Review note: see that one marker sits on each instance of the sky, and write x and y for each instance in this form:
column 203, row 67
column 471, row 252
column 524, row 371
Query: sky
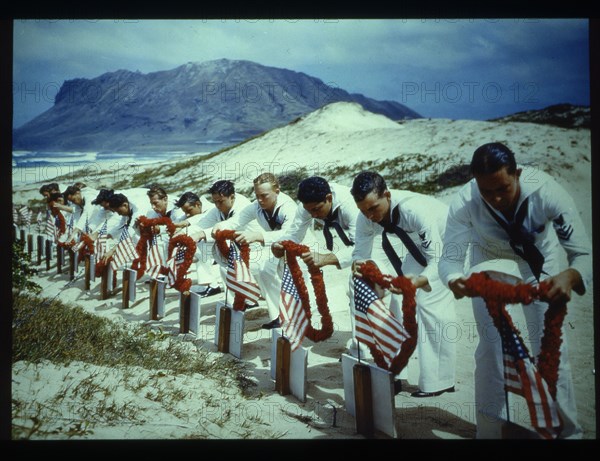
column 474, row 69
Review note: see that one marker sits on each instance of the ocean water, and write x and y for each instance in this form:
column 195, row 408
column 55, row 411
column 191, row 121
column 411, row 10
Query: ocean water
column 35, row 167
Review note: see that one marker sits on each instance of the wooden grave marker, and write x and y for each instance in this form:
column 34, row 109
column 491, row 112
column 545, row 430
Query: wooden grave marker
column 60, row 254
column 157, row 298
column 190, row 307
column 129, row 287
column 369, row 396
column 288, row 369
column 72, row 263
column 40, row 249
column 48, row 247
column 89, row 270
column 29, row 245
column 106, row 282
column 229, row 330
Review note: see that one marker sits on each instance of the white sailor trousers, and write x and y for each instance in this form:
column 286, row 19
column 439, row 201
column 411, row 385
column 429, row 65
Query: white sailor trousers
column 437, row 335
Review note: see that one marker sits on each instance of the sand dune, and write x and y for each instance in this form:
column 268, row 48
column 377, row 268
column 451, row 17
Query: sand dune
column 340, row 135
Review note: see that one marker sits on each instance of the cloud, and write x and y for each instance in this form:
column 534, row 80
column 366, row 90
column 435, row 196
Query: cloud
column 373, row 57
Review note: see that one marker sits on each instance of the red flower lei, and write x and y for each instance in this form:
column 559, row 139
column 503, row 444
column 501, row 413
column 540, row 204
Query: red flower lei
column 497, row 294
column 61, row 219
column 87, row 248
column 183, row 284
column 146, row 225
column 221, row 237
column 372, row 275
column 293, row 251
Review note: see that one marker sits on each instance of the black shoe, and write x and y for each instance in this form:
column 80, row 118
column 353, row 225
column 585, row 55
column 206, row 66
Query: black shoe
column 397, row 386
column 251, row 305
column 272, row 324
column 211, row 292
column 431, row 394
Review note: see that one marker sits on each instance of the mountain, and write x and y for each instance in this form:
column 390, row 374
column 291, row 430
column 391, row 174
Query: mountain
column 213, row 102
column 561, row 115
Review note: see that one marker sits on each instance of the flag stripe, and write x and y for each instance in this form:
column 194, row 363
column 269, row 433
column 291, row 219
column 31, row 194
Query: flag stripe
column 522, row 378
column 294, row 321
column 238, row 278
column 375, row 326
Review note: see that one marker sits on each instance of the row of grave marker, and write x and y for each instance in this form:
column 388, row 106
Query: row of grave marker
column 368, row 389
column 288, row 369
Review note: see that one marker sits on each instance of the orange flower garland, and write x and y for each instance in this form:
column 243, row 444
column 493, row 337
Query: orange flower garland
column 293, row 251
column 61, row 219
column 87, row 248
column 146, row 232
column 497, row 294
column 182, row 283
column 221, row 237
column 372, row 275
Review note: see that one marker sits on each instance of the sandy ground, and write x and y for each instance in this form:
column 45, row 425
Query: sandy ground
column 166, row 407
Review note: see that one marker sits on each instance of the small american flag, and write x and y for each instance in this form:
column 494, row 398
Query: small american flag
column 25, row 214
column 125, row 251
column 521, row 377
column 375, row 325
column 238, row 278
column 154, row 261
column 15, row 216
column 291, row 313
column 70, row 223
column 50, row 226
column 174, row 261
column 101, row 242
column 39, row 219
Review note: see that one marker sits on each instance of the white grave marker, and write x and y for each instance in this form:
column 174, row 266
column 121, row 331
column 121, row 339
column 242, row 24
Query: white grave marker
column 382, row 394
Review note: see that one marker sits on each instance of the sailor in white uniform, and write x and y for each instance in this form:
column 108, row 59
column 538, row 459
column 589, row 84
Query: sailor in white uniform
column 399, row 216
column 523, row 215
column 332, row 206
column 274, row 211
column 196, row 210
column 227, row 203
column 129, row 212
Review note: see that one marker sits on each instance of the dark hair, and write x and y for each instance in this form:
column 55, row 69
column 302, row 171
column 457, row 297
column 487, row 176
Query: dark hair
column 71, row 190
column 366, row 182
column 103, row 196
column 313, row 190
column 188, row 197
column 116, row 200
column 54, row 196
column 156, row 190
column 223, row 187
column 492, row 157
column 45, row 188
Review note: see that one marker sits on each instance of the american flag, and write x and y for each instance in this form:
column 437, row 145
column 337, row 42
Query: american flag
column 50, row 226
column 101, row 242
column 25, row 214
column 15, row 216
column 375, row 325
column 39, row 219
column 69, row 230
column 174, row 261
column 291, row 314
column 154, row 261
column 238, row 278
column 521, row 377
column 125, row 251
